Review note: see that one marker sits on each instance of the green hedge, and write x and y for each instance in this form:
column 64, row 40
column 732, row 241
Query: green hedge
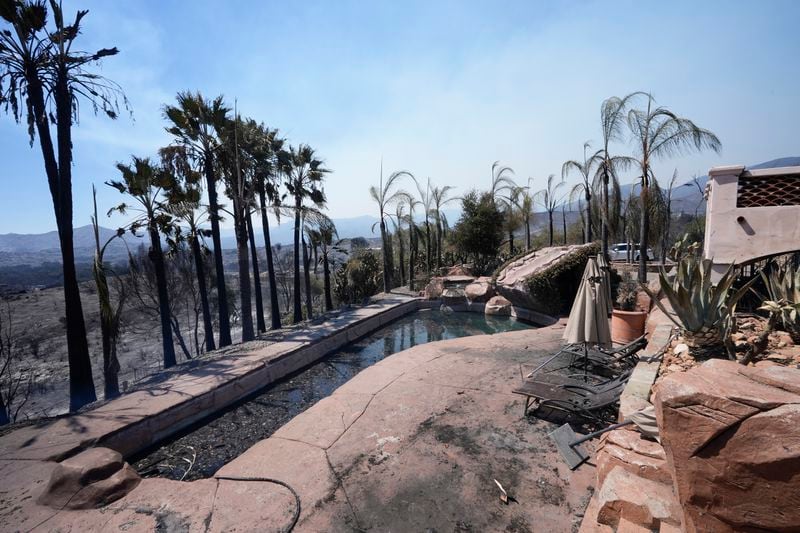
column 554, row 288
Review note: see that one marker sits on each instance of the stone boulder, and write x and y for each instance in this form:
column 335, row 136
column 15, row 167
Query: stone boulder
column 628, row 449
column 498, row 305
column 459, row 270
column 452, row 296
column 433, row 290
column 626, row 497
column 513, row 281
column 93, row 478
column 731, row 434
column 480, row 290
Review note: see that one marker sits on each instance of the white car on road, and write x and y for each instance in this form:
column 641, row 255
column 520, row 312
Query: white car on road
column 619, row 252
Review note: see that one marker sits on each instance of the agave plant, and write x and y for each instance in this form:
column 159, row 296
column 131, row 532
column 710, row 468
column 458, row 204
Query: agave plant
column 783, row 285
column 703, row 310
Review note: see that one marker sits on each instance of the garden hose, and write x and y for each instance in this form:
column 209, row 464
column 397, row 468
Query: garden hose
column 296, row 516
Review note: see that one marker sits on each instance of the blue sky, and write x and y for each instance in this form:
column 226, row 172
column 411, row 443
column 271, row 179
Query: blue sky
column 441, row 89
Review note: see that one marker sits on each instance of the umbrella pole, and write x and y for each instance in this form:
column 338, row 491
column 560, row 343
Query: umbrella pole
column 585, row 362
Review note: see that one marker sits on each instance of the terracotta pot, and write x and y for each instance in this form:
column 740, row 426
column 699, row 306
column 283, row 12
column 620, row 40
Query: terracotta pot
column 627, row 325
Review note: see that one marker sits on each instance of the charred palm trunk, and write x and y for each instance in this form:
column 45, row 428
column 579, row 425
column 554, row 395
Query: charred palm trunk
column 387, row 269
column 604, row 229
column 527, row 234
column 208, row 328
column 275, row 311
column 107, row 326
column 428, row 244
column 81, row 383
column 262, row 327
column 157, row 257
column 298, row 308
column 326, row 280
column 222, row 293
column 644, row 230
column 307, row 280
column 438, row 246
column 587, row 232
column 240, row 223
column 564, row 223
column 550, row 216
column 412, row 255
column 401, row 256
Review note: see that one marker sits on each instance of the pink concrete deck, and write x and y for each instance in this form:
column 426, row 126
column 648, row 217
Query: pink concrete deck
column 411, row 443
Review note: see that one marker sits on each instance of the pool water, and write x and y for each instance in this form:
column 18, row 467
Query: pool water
column 215, row 441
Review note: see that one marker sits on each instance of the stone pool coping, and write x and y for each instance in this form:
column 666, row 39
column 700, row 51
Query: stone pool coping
column 412, row 442
column 164, row 404
column 172, row 401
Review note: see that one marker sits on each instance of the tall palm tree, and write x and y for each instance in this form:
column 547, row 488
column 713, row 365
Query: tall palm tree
column 550, row 199
column 146, row 182
column 43, row 79
column 426, row 201
column 327, row 236
column 525, row 201
column 184, row 205
column 501, row 179
column 507, row 200
column 438, row 200
column 303, row 173
column 260, row 324
column 240, row 190
column 398, row 220
column 659, row 133
column 502, row 191
column 413, row 237
column 386, row 194
column 267, row 152
column 195, row 122
column 586, row 170
column 612, row 120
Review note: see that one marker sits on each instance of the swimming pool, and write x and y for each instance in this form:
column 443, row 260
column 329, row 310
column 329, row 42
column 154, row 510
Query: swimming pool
column 216, row 440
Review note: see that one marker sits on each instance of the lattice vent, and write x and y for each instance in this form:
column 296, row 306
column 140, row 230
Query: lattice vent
column 768, row 191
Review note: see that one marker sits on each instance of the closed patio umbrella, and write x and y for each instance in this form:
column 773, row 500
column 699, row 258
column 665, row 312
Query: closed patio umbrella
column 588, row 319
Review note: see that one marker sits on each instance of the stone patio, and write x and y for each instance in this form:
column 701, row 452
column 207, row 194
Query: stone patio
column 414, row 442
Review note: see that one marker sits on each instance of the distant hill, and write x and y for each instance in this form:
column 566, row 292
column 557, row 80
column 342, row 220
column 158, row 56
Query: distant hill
column 686, row 197
column 47, row 244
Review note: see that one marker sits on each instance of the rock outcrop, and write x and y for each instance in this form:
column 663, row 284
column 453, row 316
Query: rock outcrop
column 459, row 270
column 632, row 452
column 498, row 305
column 732, row 439
column 480, row 290
column 560, row 267
column 93, row 478
column 433, row 290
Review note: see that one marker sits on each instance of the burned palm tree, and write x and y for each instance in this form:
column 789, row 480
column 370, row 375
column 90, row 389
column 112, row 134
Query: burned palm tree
column 612, row 119
column 303, row 173
column 195, row 122
column 43, row 79
column 584, row 187
column 385, row 195
column 439, row 199
column 146, row 183
column 659, row 133
column 550, row 200
column 184, row 204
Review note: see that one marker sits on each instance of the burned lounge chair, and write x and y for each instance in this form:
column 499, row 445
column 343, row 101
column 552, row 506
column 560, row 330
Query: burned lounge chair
column 602, row 361
column 624, row 356
column 576, row 398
